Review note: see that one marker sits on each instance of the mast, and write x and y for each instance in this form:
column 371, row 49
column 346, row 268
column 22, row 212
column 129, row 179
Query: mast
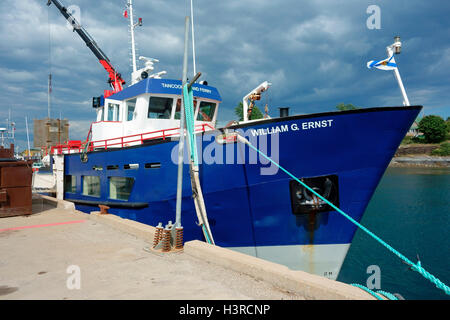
column 182, row 129
column 395, row 48
column 49, row 94
column 49, row 91
column 193, row 38
column 133, row 44
column 129, row 14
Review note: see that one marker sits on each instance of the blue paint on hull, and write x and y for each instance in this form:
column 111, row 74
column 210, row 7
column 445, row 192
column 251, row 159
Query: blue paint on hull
column 246, row 208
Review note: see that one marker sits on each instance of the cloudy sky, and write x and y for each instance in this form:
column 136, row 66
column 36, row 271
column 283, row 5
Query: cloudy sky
column 313, row 52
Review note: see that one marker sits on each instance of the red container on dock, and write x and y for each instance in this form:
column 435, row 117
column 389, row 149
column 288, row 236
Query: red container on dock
column 15, row 185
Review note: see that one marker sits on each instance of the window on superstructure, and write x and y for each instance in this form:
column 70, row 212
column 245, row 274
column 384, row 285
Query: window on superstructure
column 120, row 187
column 153, row 165
column 70, row 183
column 131, row 166
column 159, row 108
column 91, row 186
column 206, row 111
column 113, row 112
column 178, row 108
column 131, row 106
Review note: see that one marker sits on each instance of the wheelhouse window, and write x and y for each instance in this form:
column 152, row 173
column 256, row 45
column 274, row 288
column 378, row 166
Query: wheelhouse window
column 70, row 184
column 159, row 108
column 178, row 108
column 91, row 186
column 131, row 106
column 206, row 111
column 113, row 112
column 120, row 187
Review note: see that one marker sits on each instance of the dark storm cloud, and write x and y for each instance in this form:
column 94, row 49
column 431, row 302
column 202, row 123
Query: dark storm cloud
column 314, row 53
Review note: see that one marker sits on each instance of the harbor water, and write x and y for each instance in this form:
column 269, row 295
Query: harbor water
column 410, row 210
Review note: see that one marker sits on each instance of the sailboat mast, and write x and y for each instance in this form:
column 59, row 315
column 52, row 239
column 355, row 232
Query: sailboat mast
column 49, row 93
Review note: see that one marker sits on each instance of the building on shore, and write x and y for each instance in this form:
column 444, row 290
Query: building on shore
column 50, row 132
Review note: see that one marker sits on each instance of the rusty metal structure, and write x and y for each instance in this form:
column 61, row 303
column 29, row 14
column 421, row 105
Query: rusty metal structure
column 15, row 184
column 7, row 153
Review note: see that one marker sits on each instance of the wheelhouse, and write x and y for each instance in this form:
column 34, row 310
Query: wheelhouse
column 151, row 105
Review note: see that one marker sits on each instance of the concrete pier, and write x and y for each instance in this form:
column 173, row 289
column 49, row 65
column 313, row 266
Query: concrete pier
column 60, row 253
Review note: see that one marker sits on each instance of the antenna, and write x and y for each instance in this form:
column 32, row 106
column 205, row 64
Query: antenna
column 49, row 92
column 132, row 26
column 145, row 72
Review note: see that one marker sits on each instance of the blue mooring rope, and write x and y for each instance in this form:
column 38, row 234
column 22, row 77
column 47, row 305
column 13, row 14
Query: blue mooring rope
column 414, row 266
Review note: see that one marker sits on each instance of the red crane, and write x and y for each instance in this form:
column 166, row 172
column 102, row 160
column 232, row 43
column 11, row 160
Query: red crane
column 115, row 78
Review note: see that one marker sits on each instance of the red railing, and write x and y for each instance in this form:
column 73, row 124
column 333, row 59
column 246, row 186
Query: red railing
column 124, row 141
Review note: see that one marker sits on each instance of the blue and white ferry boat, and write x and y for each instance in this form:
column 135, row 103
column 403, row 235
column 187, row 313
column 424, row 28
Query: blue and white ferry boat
column 130, row 164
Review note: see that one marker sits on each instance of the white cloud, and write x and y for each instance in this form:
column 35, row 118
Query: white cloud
column 16, row 75
column 318, row 29
column 314, row 52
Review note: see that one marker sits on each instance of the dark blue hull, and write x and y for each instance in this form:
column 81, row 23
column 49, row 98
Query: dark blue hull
column 246, row 209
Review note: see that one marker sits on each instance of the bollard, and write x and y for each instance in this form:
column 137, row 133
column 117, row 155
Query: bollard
column 179, row 238
column 158, row 234
column 103, row 209
column 166, row 240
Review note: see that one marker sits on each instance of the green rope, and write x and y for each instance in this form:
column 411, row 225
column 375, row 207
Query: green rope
column 189, row 110
column 188, row 99
column 206, row 234
column 367, row 290
column 414, row 266
column 388, row 295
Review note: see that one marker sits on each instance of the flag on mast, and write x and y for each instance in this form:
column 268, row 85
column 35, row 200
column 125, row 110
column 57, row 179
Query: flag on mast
column 386, row 64
column 125, row 13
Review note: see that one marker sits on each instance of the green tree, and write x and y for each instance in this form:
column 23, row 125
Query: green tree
column 344, row 107
column 443, row 150
column 433, row 128
column 256, row 113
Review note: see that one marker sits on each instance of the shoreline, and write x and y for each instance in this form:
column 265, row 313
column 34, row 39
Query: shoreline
column 421, row 161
